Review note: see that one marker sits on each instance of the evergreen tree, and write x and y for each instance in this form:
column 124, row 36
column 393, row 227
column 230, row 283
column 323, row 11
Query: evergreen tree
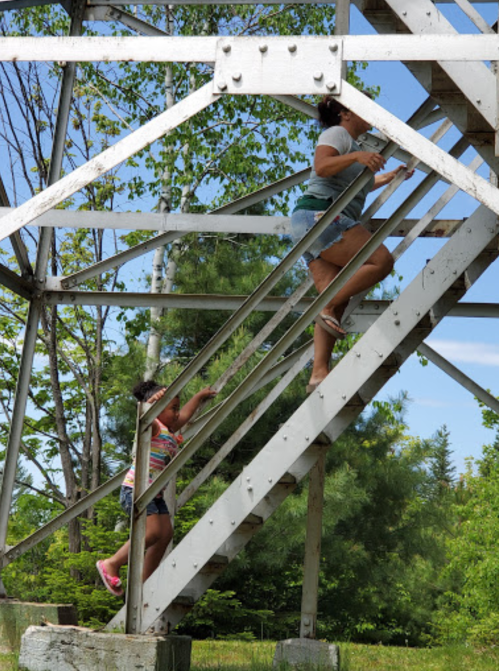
column 441, row 466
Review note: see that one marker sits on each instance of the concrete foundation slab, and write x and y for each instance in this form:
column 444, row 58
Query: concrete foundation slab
column 304, row 653
column 69, row 648
column 17, row 616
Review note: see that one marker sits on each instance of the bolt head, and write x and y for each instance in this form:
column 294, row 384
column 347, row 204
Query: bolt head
column 237, row 76
column 331, row 86
column 333, row 48
column 318, row 75
column 221, row 85
column 263, row 48
column 292, row 48
column 226, row 48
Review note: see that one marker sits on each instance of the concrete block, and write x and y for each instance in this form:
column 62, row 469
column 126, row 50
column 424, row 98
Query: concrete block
column 17, row 616
column 307, row 653
column 70, row 648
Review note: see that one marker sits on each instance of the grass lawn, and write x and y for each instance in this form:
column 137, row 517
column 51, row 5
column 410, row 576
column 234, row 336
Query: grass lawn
column 243, row 656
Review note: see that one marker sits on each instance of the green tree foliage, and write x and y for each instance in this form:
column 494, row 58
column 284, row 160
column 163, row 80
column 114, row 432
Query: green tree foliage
column 381, row 550
column 468, row 610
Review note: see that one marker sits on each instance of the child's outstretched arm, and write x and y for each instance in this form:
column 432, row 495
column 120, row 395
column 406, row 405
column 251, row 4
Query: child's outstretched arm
column 191, row 406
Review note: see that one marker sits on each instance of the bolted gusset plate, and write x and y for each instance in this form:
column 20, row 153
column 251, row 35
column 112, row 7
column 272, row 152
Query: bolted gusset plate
column 278, row 65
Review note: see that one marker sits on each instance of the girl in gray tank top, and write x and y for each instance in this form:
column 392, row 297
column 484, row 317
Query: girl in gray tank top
column 337, row 162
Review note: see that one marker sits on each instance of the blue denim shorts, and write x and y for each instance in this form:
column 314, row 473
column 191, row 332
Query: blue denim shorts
column 156, row 507
column 303, row 220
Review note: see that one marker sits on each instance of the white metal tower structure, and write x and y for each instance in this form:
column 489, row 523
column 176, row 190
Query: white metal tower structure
column 461, row 91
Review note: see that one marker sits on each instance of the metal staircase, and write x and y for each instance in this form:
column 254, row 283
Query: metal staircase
column 230, row 523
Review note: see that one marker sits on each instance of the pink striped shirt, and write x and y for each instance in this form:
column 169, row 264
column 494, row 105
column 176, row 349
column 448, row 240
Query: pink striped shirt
column 164, row 447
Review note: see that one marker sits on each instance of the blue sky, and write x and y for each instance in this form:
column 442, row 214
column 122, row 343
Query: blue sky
column 470, row 344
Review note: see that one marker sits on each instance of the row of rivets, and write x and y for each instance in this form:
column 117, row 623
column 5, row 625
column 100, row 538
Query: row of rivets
column 237, row 76
column 227, row 48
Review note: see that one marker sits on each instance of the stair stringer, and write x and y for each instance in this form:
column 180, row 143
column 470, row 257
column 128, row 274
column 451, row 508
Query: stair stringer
column 207, row 574
column 361, row 373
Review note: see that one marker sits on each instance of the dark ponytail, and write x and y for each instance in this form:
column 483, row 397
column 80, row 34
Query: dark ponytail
column 145, row 389
column 329, row 111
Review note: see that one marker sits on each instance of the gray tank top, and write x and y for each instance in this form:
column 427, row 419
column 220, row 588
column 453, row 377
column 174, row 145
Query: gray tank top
column 331, row 187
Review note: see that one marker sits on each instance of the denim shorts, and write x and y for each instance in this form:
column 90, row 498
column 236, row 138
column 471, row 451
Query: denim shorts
column 303, row 220
column 156, row 507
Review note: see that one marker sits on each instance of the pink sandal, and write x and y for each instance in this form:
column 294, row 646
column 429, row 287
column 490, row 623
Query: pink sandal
column 111, row 582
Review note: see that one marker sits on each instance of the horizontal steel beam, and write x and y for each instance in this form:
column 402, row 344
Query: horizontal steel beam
column 204, row 49
column 201, row 223
column 229, row 303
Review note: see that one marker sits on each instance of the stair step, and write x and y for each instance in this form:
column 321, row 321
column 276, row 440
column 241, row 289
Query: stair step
column 184, row 600
column 216, row 564
column 251, row 521
column 287, row 479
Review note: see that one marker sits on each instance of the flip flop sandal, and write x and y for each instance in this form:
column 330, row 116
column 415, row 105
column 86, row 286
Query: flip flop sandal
column 111, row 582
column 331, row 325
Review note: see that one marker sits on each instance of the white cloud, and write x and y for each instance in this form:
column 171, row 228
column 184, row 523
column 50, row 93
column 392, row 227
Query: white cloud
column 480, row 353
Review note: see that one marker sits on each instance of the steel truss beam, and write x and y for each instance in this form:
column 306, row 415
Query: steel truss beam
column 107, row 160
column 456, row 47
column 457, row 375
column 418, row 146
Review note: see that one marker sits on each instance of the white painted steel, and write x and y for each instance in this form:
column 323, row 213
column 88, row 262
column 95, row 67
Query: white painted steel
column 460, row 377
column 185, row 223
column 475, row 16
column 107, row 160
column 280, row 65
column 94, row 13
column 134, row 592
column 310, row 52
column 426, row 220
column 475, row 80
column 116, row 260
column 165, row 222
column 311, row 564
column 412, row 164
column 419, row 146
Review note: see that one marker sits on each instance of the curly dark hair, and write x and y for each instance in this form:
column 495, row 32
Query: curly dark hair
column 145, row 389
column 329, row 111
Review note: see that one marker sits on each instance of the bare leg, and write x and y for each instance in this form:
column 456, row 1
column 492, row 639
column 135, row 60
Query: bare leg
column 325, row 269
column 158, row 534
column 163, row 533
column 376, row 268
column 323, row 273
